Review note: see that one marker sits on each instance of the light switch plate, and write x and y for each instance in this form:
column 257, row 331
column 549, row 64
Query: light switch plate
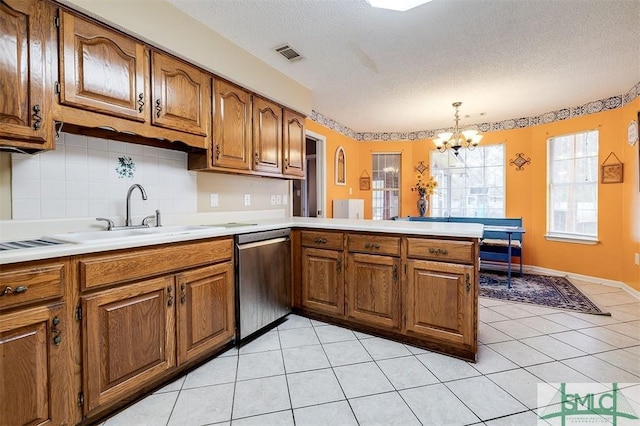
column 285, row 199
column 278, row 199
column 273, row 200
column 637, row 259
column 247, row 199
column 214, row 200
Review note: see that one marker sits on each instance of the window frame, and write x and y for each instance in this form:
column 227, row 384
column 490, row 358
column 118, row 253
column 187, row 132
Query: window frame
column 484, row 166
column 383, row 190
column 572, row 237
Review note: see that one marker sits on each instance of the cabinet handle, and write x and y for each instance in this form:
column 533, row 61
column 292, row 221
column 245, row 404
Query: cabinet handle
column 468, row 288
column 286, row 163
column 170, row 298
column 438, row 251
column 57, row 339
column 183, row 296
column 395, row 273
column 339, row 264
column 140, row 102
column 320, row 241
column 217, row 151
column 257, row 159
column 158, row 108
column 9, row 290
column 36, row 117
column 376, row 246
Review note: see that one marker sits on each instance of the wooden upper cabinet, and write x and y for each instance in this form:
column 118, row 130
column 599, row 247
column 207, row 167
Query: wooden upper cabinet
column 25, row 109
column 232, row 126
column 293, row 140
column 181, row 96
column 267, row 136
column 102, row 70
column 205, row 310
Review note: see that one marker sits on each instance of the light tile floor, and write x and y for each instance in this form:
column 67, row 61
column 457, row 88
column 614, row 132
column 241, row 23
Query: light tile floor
column 307, row 372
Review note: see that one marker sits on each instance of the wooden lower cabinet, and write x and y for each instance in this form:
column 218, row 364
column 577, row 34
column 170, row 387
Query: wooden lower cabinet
column 440, row 301
column 323, row 281
column 373, row 286
column 128, row 339
column 33, row 367
column 205, row 310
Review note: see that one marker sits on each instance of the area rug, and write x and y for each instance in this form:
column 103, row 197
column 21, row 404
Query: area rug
column 544, row 290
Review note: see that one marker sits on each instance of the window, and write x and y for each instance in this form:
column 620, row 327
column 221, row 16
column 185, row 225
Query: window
column 385, row 186
column 573, row 186
column 470, row 184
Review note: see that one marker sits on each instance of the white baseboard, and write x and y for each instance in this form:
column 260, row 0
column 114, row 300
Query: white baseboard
column 530, row 269
column 595, row 280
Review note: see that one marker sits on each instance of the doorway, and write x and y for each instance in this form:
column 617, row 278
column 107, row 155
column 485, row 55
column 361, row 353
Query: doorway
column 309, row 196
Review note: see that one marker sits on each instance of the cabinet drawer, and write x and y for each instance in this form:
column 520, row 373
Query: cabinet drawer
column 31, row 284
column 325, row 240
column 106, row 269
column 374, row 244
column 446, row 250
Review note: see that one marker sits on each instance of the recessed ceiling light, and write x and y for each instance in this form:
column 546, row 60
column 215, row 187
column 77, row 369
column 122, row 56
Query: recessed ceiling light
column 399, row 5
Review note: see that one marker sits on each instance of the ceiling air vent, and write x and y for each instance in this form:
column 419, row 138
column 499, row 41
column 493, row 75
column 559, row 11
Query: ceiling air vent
column 289, row 53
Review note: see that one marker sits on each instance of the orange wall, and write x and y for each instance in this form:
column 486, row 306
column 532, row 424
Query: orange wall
column 526, row 190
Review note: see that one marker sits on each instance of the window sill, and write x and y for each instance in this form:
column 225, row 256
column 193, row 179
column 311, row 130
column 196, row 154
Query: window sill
column 592, row 241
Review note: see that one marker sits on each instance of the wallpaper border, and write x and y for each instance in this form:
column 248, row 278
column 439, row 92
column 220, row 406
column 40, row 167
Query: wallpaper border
column 592, row 107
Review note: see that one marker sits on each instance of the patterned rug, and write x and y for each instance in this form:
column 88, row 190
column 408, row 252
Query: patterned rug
column 555, row 292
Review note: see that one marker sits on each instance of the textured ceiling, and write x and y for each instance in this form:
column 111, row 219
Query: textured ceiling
column 377, row 70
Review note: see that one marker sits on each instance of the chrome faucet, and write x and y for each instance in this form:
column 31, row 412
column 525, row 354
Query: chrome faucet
column 144, row 197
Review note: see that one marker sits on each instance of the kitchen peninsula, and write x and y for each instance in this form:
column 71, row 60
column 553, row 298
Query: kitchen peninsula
column 115, row 318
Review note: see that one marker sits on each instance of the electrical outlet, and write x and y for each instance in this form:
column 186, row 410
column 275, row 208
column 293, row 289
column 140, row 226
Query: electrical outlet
column 285, row 199
column 350, row 191
column 273, row 200
column 214, row 200
column 247, row 199
column 278, row 199
column 637, row 259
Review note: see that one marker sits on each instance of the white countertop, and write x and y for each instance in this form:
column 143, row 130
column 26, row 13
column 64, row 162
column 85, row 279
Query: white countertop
column 444, row 229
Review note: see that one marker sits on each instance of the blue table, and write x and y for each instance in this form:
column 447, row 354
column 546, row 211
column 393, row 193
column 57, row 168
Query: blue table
column 509, row 230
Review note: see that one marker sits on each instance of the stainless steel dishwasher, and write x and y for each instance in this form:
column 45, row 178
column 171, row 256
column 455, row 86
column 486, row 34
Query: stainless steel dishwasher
column 263, row 279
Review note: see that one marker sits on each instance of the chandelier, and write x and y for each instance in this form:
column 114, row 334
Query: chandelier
column 457, row 139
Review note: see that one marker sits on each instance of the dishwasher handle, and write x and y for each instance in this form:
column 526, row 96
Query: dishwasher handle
column 262, row 243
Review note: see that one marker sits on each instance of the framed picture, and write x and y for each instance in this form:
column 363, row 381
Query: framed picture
column 341, row 167
column 365, row 181
column 611, row 172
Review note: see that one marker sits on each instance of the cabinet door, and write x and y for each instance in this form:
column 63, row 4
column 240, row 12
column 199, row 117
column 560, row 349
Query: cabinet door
column 128, row 339
column 25, row 110
column 440, row 301
column 232, row 127
column 323, row 281
column 181, row 96
column 267, row 136
column 294, row 142
column 102, row 70
column 205, row 310
column 373, row 285
column 33, row 390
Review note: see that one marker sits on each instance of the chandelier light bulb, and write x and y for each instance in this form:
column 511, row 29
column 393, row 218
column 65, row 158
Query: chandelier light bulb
column 457, row 139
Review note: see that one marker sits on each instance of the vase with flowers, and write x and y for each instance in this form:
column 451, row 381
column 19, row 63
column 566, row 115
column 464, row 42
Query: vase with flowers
column 424, row 188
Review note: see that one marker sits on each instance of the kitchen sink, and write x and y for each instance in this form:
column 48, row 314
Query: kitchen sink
column 100, row 236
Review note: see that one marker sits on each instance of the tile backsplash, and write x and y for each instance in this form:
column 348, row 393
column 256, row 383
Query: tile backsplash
column 89, row 177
